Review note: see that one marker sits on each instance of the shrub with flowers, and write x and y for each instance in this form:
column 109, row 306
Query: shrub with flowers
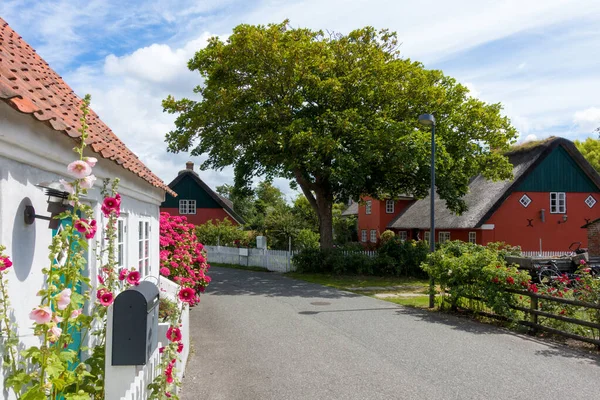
column 466, row 270
column 182, row 260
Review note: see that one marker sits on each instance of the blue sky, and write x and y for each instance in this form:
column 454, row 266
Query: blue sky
column 540, row 59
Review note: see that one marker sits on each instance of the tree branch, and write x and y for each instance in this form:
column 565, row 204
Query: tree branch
column 306, row 187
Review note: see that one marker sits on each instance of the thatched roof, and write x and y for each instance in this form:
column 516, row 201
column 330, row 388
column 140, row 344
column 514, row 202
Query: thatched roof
column 484, row 196
column 351, row 210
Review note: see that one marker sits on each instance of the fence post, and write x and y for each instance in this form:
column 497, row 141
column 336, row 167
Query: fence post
column 533, row 317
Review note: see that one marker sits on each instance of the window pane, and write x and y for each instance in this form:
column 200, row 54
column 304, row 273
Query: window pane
column 120, row 254
column 141, row 229
column 141, row 250
column 146, row 246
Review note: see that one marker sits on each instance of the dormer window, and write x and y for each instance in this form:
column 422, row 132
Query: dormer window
column 389, row 206
column 187, row 207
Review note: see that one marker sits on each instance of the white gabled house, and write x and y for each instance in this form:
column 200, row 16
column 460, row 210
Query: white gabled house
column 39, row 118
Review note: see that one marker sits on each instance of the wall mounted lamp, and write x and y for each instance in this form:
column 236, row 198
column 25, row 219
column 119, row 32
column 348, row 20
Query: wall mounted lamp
column 543, row 215
column 564, row 219
column 57, row 203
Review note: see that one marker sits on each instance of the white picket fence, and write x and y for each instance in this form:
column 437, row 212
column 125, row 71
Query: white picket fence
column 545, row 254
column 138, row 390
column 272, row 260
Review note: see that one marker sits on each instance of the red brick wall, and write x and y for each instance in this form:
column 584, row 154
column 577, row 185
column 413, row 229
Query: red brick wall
column 593, row 234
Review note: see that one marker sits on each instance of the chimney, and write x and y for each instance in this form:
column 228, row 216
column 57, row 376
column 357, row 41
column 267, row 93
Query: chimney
column 189, row 165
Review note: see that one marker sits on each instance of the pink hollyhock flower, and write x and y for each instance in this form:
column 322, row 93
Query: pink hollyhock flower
column 41, row 315
column 174, row 334
column 87, row 228
column 167, row 394
column 79, row 169
column 5, row 263
column 67, row 186
column 54, row 333
column 64, row 299
column 165, row 271
column 75, row 313
column 87, row 182
column 133, row 278
column 161, row 350
column 91, row 161
column 58, row 319
column 179, row 347
column 101, row 279
column 106, row 299
column 122, row 274
column 187, row 295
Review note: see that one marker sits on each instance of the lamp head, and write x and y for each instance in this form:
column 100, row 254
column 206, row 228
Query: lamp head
column 427, row 119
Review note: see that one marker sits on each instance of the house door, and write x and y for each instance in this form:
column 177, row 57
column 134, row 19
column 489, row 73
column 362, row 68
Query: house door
column 59, row 261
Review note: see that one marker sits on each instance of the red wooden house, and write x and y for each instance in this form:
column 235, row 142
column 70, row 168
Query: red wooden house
column 553, row 193
column 196, row 200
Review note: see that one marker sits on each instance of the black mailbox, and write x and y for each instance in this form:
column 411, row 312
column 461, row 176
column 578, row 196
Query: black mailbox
column 135, row 325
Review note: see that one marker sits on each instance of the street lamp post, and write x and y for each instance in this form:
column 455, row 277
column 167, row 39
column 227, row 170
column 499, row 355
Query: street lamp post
column 429, row 120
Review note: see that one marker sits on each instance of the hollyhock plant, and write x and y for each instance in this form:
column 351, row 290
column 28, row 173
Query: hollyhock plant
column 106, row 299
column 79, row 169
column 174, row 334
column 5, row 263
column 41, row 315
column 111, row 204
column 187, row 295
column 87, row 182
column 64, row 299
column 67, row 186
column 123, row 274
column 86, row 227
column 133, row 278
column 75, row 313
column 91, row 161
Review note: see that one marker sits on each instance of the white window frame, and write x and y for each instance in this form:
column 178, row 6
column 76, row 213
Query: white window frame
column 373, row 236
column 403, row 235
column 144, row 246
column 556, row 197
column 389, row 206
column 363, row 236
column 593, row 201
column 187, row 207
column 426, row 236
column 121, row 242
column 525, row 200
column 368, row 206
column 472, row 237
column 443, row 237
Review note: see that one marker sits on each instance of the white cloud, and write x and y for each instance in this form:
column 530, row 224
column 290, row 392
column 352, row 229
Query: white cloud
column 472, row 90
column 587, row 120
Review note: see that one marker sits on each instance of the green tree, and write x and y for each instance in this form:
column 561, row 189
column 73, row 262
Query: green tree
column 338, row 114
column 590, row 149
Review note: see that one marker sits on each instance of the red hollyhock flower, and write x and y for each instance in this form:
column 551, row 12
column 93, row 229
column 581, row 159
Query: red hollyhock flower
column 179, row 347
column 174, row 334
column 101, row 292
column 510, row 280
column 122, row 274
column 133, row 278
column 5, row 263
column 187, row 295
column 106, row 299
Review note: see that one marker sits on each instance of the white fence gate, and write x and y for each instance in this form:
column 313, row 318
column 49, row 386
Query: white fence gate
column 545, row 254
column 272, row 260
column 138, row 390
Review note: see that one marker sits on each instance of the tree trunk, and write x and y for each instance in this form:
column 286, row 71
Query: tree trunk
column 321, row 201
column 325, row 213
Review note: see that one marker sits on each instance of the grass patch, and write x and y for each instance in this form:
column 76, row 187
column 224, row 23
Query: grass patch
column 236, row 266
column 420, row 301
column 360, row 281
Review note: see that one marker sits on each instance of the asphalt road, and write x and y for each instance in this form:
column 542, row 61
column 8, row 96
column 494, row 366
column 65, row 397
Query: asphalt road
column 264, row 336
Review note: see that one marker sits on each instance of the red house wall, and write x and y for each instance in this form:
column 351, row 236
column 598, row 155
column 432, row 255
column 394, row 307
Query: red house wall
column 378, row 219
column 202, row 215
column 511, row 222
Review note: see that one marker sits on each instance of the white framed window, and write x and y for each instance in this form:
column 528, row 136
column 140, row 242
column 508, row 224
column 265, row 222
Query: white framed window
column 363, row 236
column 403, row 235
column 525, row 200
column 426, row 235
column 368, row 207
column 187, row 206
column 443, row 236
column 472, row 237
column 144, row 247
column 373, row 236
column 389, row 206
column 558, row 203
column 121, row 248
column 590, row 201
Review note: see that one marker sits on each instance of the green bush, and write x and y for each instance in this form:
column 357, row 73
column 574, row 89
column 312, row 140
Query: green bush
column 224, row 233
column 407, row 257
column 307, row 239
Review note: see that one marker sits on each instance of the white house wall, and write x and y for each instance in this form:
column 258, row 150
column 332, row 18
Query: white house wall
column 31, row 153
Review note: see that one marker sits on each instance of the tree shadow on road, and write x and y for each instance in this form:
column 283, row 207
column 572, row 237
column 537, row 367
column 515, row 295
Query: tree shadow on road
column 235, row 282
column 467, row 324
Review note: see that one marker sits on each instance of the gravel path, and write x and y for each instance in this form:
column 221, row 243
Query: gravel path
column 264, row 336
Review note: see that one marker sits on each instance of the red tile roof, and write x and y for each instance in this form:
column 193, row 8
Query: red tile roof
column 28, row 84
